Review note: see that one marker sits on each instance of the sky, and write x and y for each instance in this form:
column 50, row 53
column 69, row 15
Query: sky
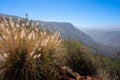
column 81, row 13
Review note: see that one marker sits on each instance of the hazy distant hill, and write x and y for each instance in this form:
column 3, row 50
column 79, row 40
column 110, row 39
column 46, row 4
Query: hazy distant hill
column 110, row 38
column 68, row 31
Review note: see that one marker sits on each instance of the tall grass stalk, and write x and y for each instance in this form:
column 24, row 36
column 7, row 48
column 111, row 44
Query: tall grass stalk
column 22, row 44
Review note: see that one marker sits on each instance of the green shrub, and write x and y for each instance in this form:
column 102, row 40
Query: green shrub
column 109, row 68
column 80, row 59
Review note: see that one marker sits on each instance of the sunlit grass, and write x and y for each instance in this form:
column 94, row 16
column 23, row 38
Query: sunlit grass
column 21, row 44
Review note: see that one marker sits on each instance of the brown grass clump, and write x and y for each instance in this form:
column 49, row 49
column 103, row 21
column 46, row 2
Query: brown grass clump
column 23, row 47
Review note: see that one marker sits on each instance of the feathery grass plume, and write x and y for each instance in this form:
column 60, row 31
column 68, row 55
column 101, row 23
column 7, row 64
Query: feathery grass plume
column 22, row 45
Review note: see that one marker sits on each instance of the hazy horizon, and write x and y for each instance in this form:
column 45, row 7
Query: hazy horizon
column 101, row 28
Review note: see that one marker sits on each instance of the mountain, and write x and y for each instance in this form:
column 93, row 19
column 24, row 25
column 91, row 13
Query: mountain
column 110, row 38
column 69, row 31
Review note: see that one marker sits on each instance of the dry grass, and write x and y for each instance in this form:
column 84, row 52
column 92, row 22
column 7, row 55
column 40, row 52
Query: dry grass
column 20, row 47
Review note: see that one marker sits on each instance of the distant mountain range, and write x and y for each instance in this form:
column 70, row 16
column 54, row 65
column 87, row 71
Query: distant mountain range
column 110, row 38
column 69, row 31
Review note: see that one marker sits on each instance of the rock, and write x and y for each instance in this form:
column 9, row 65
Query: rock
column 68, row 74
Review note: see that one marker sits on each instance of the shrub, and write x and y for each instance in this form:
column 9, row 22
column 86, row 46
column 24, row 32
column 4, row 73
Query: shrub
column 80, row 59
column 109, row 68
column 26, row 52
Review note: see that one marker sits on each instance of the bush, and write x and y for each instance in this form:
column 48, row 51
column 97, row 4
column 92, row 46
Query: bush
column 109, row 68
column 28, row 53
column 80, row 59
column 83, row 62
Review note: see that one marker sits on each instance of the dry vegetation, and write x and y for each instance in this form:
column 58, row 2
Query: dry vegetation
column 23, row 49
column 30, row 53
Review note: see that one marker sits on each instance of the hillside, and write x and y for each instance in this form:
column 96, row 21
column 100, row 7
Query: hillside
column 110, row 38
column 69, row 31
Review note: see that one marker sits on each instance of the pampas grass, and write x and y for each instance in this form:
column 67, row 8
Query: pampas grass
column 22, row 46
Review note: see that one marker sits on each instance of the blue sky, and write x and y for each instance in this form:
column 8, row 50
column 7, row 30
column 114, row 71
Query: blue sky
column 82, row 13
